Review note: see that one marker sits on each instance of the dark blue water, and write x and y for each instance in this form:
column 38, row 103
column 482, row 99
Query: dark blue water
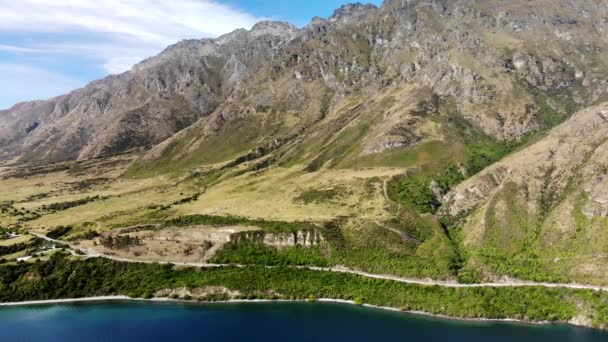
column 258, row 322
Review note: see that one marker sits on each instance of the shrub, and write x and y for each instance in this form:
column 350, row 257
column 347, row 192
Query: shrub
column 58, row 232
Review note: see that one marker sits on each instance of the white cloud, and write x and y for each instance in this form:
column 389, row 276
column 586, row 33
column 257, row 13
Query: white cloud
column 127, row 30
column 112, row 56
column 14, row 48
column 20, row 81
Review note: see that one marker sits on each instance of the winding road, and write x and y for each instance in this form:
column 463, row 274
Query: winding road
column 342, row 269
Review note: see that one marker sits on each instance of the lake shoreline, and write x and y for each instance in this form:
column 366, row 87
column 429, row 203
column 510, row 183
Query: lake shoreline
column 101, row 299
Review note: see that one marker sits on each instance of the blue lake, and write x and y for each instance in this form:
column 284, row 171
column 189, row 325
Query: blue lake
column 131, row 321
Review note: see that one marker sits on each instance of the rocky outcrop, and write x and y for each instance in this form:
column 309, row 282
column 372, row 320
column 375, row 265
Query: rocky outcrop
column 302, row 238
column 208, row 293
column 546, row 73
column 351, row 13
column 307, row 238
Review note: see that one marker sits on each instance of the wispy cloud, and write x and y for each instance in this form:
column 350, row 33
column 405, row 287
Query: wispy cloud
column 115, row 33
column 20, row 81
column 20, row 49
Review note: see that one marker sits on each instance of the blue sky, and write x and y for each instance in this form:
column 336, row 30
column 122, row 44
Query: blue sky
column 49, row 47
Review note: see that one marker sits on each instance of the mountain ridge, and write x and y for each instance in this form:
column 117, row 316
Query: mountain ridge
column 400, row 43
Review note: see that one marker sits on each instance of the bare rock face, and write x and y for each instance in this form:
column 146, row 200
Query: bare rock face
column 280, row 32
column 301, row 238
column 351, row 13
column 503, row 65
column 547, row 73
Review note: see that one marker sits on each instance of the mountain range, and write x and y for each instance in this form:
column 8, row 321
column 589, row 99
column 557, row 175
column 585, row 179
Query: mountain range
column 509, row 68
column 489, row 117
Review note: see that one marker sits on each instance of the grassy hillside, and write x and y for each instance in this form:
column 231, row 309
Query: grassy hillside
column 540, row 213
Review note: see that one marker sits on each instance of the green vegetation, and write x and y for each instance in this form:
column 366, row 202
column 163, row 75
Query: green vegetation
column 522, row 266
column 61, row 277
column 382, row 261
column 426, row 155
column 519, row 244
column 421, row 250
column 509, row 226
column 547, row 116
column 237, row 137
column 159, row 209
column 58, row 232
column 259, row 152
column 480, row 151
column 580, row 220
column 416, row 193
column 5, row 233
column 188, row 199
column 320, row 195
column 449, row 177
column 18, row 247
column 54, row 207
column 253, row 253
column 488, row 151
column 210, row 220
column 88, row 235
column 8, row 208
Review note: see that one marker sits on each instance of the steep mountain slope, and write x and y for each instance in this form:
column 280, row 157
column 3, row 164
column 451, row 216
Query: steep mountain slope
column 506, row 67
column 158, row 98
column 542, row 210
column 398, row 76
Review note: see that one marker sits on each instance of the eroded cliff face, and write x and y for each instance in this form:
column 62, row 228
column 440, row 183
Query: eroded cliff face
column 508, row 67
column 302, row 238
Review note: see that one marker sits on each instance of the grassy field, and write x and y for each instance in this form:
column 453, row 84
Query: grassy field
column 346, row 205
column 17, row 240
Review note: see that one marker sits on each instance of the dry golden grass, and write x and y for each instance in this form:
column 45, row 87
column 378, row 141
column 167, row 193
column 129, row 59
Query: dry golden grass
column 14, row 241
column 270, row 194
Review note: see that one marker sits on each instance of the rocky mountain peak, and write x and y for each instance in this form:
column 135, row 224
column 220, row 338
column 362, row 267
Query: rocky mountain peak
column 280, row 29
column 200, row 47
column 227, row 38
column 351, row 12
